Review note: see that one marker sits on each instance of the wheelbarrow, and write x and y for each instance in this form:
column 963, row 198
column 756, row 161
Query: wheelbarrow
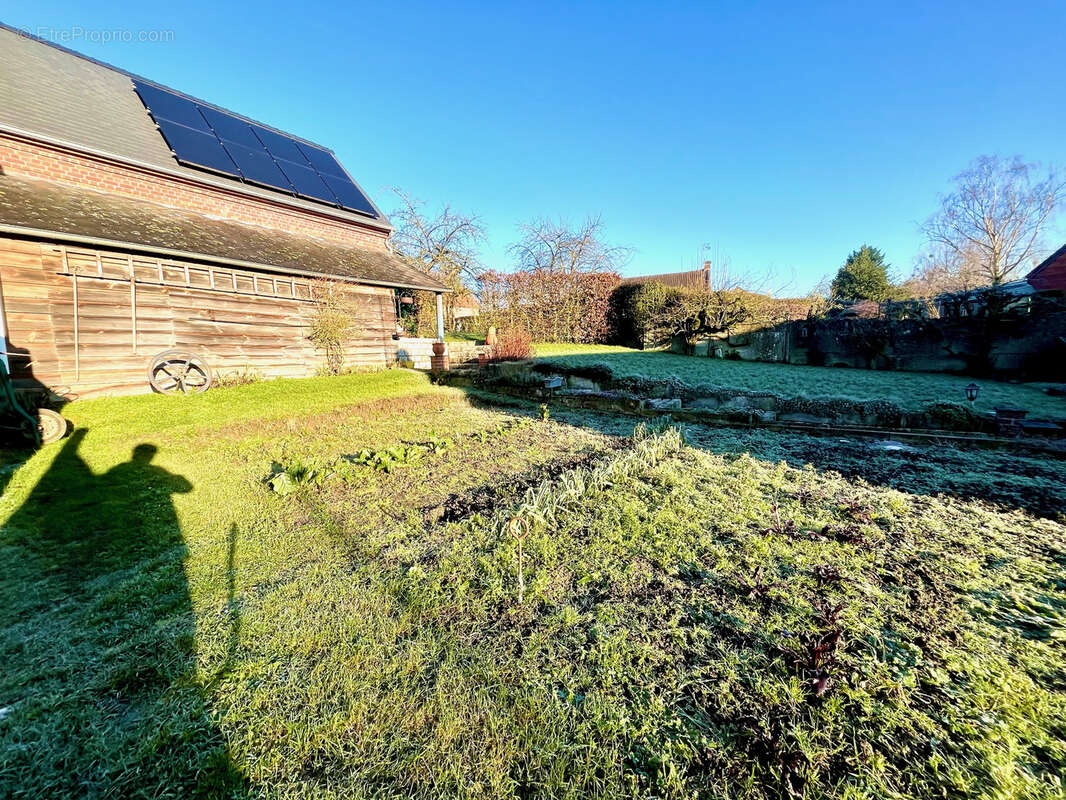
column 42, row 425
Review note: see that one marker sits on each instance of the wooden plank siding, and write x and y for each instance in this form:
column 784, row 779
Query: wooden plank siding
column 237, row 319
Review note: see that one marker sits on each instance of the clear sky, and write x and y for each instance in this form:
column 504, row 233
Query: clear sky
column 782, row 134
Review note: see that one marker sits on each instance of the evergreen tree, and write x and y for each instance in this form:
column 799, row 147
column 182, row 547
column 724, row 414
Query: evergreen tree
column 864, row 276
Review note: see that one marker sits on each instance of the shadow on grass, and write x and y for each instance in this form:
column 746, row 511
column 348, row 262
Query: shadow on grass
column 99, row 688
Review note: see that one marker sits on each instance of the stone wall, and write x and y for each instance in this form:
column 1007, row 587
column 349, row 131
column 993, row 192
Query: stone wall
column 1023, row 345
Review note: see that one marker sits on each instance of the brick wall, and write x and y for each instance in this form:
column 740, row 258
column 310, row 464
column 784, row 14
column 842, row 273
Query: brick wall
column 32, row 160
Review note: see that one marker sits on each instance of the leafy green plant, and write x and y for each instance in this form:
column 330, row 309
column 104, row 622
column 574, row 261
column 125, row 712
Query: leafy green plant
column 389, row 458
column 438, row 445
column 545, row 413
column 285, row 479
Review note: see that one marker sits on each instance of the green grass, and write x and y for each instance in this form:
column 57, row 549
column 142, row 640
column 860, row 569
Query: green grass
column 170, row 627
column 909, row 390
column 477, row 337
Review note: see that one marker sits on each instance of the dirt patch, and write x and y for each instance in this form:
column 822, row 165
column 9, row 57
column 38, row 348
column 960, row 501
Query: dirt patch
column 484, row 499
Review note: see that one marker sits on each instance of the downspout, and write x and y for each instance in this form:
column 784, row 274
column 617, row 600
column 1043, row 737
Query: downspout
column 3, row 332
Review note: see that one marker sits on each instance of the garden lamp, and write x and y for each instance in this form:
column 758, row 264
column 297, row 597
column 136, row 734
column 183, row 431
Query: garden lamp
column 971, row 392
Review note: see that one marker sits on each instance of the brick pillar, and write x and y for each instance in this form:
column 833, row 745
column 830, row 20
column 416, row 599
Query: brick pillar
column 438, row 362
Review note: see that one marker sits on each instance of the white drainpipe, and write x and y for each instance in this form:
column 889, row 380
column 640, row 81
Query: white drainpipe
column 3, row 332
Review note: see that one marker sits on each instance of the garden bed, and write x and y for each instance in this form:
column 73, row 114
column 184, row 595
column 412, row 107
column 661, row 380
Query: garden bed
column 907, row 391
column 695, row 621
column 596, row 384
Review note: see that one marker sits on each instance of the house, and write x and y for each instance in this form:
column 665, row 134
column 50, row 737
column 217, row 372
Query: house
column 465, row 307
column 1050, row 274
column 690, row 279
column 136, row 220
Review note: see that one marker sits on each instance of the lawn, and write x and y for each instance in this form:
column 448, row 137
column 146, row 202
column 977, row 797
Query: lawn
column 909, row 390
column 703, row 613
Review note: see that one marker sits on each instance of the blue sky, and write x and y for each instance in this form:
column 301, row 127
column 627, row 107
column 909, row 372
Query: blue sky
column 782, row 134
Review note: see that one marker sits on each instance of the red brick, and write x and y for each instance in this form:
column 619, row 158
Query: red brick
column 20, row 157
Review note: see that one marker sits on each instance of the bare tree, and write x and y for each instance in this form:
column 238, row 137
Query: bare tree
column 557, row 258
column 945, row 270
column 995, row 217
column 559, row 248
column 446, row 245
column 720, row 311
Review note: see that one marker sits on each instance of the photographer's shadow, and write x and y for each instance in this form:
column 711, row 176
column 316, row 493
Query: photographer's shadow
column 98, row 574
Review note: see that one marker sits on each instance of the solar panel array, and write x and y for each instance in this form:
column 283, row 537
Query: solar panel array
column 204, row 137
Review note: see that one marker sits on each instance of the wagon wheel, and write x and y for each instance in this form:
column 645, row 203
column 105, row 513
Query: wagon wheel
column 50, row 425
column 179, row 372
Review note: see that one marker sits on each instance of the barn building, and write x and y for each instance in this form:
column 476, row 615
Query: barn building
column 136, row 220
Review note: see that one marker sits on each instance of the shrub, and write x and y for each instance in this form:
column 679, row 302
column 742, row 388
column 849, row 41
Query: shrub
column 238, row 377
column 553, row 305
column 332, row 326
column 513, row 344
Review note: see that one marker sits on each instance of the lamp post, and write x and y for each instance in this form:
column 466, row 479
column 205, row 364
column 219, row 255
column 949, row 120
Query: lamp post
column 971, row 393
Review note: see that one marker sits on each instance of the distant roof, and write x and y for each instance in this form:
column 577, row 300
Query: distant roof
column 693, row 279
column 43, row 209
column 467, row 301
column 1019, row 288
column 64, row 97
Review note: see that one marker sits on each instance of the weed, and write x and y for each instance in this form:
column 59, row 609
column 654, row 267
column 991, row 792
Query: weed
column 780, row 527
column 815, row 658
column 288, row 478
column 238, row 377
column 518, row 528
column 757, row 588
column 827, row 575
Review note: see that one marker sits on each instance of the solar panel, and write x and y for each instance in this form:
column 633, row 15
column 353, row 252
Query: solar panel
column 202, row 136
column 256, row 165
column 348, row 194
column 281, row 147
column 167, row 105
column 337, row 179
column 229, row 128
column 322, row 160
column 196, row 147
column 307, row 182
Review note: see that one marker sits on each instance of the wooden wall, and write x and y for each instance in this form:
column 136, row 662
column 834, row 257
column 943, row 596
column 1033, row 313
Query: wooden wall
column 237, row 319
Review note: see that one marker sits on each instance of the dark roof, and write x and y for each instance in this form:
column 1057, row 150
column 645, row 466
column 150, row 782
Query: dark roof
column 692, row 279
column 57, row 95
column 51, row 211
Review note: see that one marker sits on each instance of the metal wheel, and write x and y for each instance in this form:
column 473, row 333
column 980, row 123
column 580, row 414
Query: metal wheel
column 50, row 425
column 179, row 372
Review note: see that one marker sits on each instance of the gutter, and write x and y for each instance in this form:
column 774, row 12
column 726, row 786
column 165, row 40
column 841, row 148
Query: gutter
column 94, row 241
